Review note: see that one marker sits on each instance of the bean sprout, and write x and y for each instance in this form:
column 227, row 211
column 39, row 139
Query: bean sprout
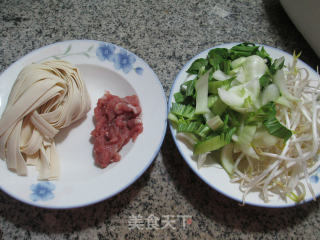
column 284, row 167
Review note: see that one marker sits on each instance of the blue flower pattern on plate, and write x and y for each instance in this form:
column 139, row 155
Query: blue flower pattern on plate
column 316, row 177
column 139, row 70
column 122, row 59
column 105, row 51
column 42, row 191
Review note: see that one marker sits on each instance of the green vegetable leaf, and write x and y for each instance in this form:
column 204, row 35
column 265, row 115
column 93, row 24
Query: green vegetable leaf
column 277, row 65
column 208, row 145
column 243, row 50
column 225, row 66
column 173, row 118
column 227, row 134
column 265, row 80
column 217, row 56
column 261, row 114
column 226, row 158
column 267, row 115
column 227, row 131
column 179, row 97
column 216, row 105
column 248, row 102
column 202, row 130
column 190, row 87
column 262, row 53
column 234, row 118
column 214, row 85
column 248, row 49
column 218, row 141
column 182, row 110
column 197, row 66
column 275, row 128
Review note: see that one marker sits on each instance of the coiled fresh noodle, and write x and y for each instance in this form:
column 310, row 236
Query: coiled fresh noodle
column 45, row 98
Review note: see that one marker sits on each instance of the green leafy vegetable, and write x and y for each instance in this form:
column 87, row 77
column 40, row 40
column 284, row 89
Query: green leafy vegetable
column 217, row 57
column 265, row 80
column 197, row 128
column 227, row 158
column 210, row 144
column 214, row 85
column 216, row 106
column 198, row 66
column 231, row 96
column 267, row 115
column 181, row 110
column 275, row 128
column 243, row 50
column 179, row 97
column 173, row 118
column 249, row 49
column 277, row 65
column 187, row 88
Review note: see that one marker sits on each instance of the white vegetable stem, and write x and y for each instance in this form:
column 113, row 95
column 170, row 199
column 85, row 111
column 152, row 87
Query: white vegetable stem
column 202, row 94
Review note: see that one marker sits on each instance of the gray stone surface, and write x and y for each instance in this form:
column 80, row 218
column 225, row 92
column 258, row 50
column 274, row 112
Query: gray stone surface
column 166, row 34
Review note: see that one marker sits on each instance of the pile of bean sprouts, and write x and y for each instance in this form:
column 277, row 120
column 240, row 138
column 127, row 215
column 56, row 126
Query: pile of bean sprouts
column 283, row 168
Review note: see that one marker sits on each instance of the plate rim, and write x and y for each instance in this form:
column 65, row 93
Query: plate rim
column 183, row 155
column 140, row 172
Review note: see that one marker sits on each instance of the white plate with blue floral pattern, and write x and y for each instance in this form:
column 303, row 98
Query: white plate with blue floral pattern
column 104, row 67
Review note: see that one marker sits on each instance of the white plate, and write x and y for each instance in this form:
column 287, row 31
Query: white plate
column 214, row 175
column 103, row 66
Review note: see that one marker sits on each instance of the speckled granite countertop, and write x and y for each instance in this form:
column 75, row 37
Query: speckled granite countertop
column 166, row 34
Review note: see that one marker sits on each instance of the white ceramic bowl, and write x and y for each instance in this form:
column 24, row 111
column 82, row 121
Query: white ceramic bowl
column 305, row 14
